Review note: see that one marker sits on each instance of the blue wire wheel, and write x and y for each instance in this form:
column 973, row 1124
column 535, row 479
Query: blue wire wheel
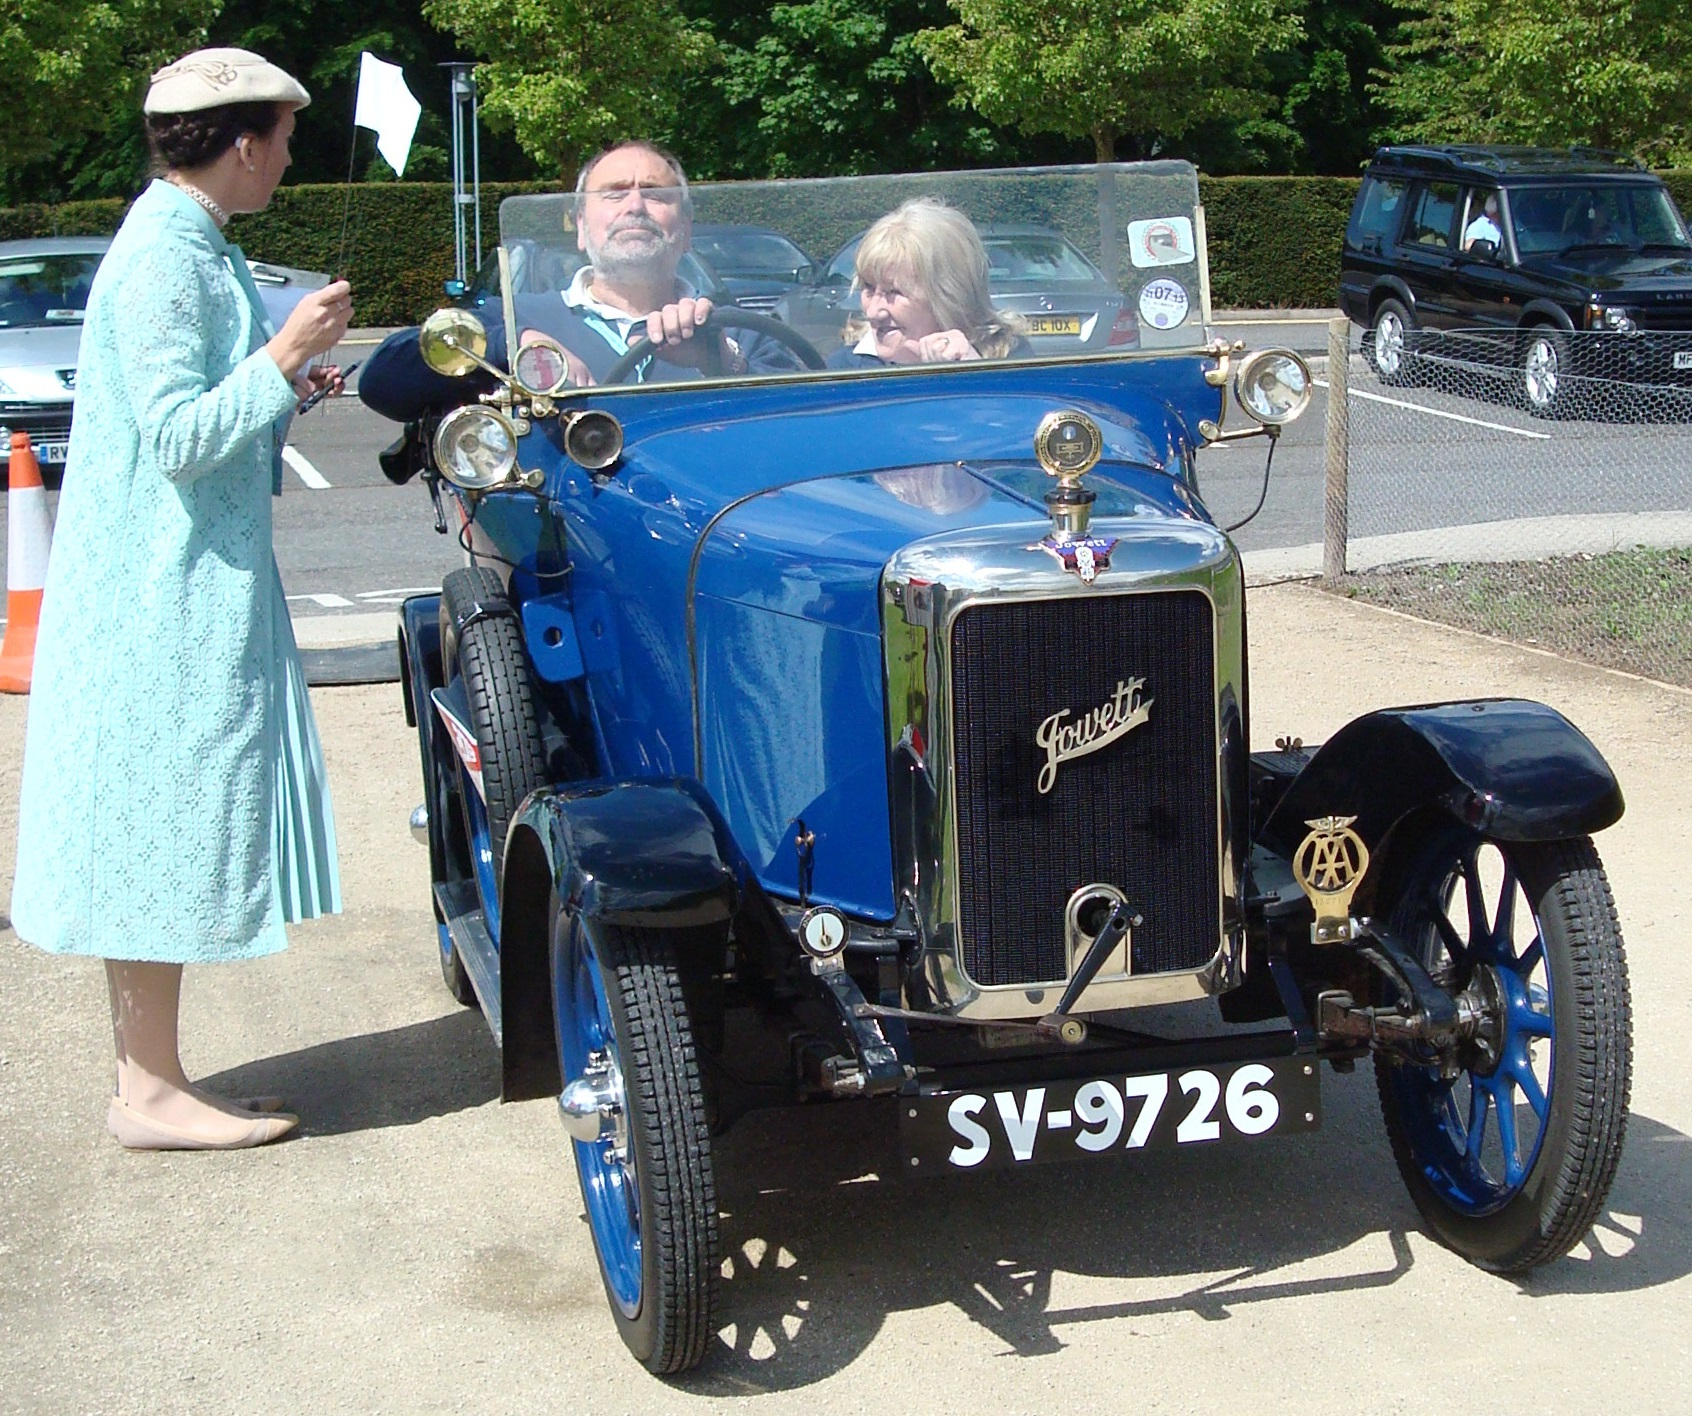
column 587, row 1040
column 1509, row 1143
column 647, row 1179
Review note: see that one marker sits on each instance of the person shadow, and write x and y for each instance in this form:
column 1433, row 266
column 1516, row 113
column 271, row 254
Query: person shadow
column 396, row 1077
column 820, row 1250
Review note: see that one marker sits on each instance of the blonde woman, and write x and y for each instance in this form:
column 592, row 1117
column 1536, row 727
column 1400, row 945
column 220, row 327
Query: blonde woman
column 922, row 285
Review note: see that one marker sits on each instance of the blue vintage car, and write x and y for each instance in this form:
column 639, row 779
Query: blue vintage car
column 806, row 735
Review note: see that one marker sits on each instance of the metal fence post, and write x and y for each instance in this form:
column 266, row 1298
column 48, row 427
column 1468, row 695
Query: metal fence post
column 1334, row 529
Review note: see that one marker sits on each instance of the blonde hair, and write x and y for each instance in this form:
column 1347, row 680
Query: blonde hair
column 934, row 248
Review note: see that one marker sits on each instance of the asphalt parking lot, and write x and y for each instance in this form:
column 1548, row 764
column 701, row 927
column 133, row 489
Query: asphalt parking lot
column 420, row 1247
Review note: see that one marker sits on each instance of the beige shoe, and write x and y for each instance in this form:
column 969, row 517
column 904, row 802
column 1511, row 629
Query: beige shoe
column 261, row 1104
column 134, row 1131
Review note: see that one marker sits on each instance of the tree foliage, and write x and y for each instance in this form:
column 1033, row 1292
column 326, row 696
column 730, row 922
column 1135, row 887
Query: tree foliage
column 567, row 76
column 78, row 66
column 818, row 87
column 320, row 41
column 1610, row 73
column 1144, row 71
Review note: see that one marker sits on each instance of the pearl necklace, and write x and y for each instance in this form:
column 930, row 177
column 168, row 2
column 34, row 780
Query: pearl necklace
column 213, row 210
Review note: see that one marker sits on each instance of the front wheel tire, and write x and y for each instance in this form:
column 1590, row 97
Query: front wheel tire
column 647, row 1182
column 1389, row 344
column 1545, row 372
column 1510, row 1160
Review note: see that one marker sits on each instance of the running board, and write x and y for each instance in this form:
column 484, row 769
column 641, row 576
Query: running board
column 467, row 926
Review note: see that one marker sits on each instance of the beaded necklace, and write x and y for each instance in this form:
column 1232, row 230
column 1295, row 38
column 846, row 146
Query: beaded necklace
column 213, row 210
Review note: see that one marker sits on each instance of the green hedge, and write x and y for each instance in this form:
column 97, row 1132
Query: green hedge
column 1274, row 241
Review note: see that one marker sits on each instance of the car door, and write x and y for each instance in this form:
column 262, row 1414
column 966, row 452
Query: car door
column 1427, row 252
column 1483, row 292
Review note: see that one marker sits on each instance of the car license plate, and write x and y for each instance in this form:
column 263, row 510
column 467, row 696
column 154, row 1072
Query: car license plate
column 990, row 1127
column 1053, row 324
column 1683, row 358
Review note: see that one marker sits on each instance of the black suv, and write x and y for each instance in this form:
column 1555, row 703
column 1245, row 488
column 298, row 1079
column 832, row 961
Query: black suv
column 1565, row 263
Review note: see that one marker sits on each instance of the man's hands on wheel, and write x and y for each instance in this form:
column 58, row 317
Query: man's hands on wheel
column 672, row 328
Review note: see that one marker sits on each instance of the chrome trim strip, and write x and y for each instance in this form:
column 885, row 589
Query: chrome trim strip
column 924, row 589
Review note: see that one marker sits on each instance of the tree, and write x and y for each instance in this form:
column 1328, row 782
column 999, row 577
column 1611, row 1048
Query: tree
column 820, row 87
column 568, row 76
column 1144, row 71
column 1613, row 73
column 80, row 66
column 320, row 41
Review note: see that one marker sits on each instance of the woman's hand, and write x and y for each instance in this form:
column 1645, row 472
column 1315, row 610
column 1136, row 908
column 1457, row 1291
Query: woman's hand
column 318, row 323
column 318, row 377
column 947, row 345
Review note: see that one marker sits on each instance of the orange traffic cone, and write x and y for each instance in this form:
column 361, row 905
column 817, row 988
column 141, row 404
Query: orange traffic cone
column 29, row 536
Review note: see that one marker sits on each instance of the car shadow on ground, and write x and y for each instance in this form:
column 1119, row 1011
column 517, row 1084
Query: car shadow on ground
column 820, row 1255
column 393, row 1078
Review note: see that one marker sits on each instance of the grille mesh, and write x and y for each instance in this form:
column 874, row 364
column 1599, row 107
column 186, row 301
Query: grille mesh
column 1140, row 813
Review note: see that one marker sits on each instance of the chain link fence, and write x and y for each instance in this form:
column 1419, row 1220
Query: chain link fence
column 1535, row 485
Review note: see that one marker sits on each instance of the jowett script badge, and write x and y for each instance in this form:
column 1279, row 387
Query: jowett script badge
column 1098, row 727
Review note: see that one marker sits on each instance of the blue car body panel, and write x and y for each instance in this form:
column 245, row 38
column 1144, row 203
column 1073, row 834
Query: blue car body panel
column 764, row 518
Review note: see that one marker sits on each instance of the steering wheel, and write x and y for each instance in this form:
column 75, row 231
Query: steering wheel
column 720, row 318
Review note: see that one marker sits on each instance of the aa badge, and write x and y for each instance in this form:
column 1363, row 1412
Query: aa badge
column 1328, row 865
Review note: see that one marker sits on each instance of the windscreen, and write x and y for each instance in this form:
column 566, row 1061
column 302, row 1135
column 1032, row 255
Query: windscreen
column 1634, row 215
column 881, row 272
column 45, row 290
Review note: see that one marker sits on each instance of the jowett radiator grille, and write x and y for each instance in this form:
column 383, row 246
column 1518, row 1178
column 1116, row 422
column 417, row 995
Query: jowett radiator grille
column 1139, row 813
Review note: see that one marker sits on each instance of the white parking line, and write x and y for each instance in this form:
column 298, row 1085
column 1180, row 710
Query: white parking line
column 307, row 473
column 326, row 602
column 1439, row 412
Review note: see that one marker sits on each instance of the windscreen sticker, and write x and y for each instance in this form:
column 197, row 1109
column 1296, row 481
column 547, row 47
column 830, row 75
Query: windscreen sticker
column 1163, row 304
column 1166, row 241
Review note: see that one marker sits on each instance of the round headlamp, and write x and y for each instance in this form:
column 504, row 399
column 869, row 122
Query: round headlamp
column 476, row 447
column 1273, row 385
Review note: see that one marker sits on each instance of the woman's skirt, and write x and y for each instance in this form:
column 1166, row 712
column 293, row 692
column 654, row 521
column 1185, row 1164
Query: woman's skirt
column 308, row 880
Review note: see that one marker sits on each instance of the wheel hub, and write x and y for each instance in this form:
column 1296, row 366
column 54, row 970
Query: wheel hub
column 1482, row 1007
column 593, row 1106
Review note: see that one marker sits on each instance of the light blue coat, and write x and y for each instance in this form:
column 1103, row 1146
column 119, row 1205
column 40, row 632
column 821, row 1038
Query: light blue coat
column 148, row 823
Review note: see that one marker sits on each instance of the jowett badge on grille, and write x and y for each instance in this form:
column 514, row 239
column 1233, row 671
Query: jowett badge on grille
column 1098, row 727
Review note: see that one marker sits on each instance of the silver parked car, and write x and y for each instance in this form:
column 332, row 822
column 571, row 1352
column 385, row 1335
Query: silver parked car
column 1065, row 300
column 44, row 287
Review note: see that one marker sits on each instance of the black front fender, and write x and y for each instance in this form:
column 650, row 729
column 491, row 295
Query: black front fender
column 641, row 853
column 1512, row 769
column 637, row 853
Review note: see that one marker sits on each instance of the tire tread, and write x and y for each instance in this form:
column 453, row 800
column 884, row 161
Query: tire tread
column 662, row 1066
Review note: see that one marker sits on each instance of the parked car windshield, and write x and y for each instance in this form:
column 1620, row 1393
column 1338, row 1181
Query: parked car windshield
column 1634, row 215
column 1078, row 261
column 45, row 290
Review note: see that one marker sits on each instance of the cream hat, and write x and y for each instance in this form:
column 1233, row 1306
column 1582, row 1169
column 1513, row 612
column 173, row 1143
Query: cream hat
column 211, row 78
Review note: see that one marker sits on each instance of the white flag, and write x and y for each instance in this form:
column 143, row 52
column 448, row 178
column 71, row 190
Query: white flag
column 386, row 106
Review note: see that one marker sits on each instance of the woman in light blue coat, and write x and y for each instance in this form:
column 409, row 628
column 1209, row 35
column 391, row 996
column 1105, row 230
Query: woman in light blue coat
column 174, row 804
